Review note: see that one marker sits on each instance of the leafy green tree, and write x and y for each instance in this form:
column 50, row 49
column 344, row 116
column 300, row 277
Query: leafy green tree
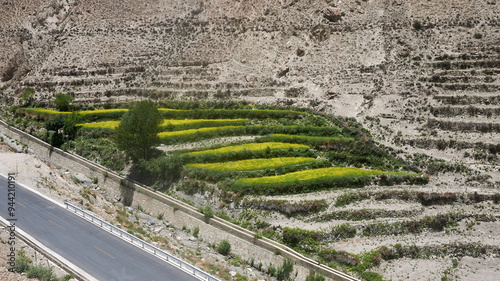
column 70, row 122
column 62, row 101
column 138, row 130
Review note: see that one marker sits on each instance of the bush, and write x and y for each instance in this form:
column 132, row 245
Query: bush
column 62, row 101
column 23, row 263
column 478, row 35
column 196, row 231
column 296, row 237
column 163, row 169
column 224, row 247
column 26, row 95
column 54, row 123
column 417, row 25
column 283, row 272
column 207, row 211
column 313, row 276
column 40, row 272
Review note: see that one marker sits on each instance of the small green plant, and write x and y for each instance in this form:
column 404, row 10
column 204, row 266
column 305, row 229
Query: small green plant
column 417, row 25
column 277, row 251
column 27, row 93
column 160, row 216
column 283, row 272
column 313, row 276
column 207, row 211
column 478, row 35
column 271, row 270
column 257, row 235
column 95, row 180
column 23, row 263
column 224, row 247
column 196, row 231
column 40, row 272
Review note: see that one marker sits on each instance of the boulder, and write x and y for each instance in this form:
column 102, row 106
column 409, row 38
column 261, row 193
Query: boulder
column 332, row 14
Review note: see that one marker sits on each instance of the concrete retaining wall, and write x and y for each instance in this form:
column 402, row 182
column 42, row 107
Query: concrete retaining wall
column 176, row 212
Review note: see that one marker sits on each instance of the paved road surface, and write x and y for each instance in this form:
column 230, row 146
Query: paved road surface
column 99, row 253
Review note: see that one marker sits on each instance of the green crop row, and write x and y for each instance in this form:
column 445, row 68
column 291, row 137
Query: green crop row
column 253, row 164
column 193, row 135
column 319, row 179
column 88, row 115
column 179, row 114
column 172, row 124
column 248, row 154
column 100, row 125
column 249, row 130
column 250, row 147
column 316, row 141
column 221, row 175
column 178, row 125
column 230, row 113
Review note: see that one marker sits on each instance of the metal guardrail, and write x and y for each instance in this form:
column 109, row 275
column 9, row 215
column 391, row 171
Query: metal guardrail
column 186, row 267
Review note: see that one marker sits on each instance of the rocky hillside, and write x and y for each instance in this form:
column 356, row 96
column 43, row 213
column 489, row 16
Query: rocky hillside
column 422, row 76
column 433, row 65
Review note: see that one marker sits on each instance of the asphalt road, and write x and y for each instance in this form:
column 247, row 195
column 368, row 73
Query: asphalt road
column 99, row 253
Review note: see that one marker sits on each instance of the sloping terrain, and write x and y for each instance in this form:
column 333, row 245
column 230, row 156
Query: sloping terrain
column 422, row 76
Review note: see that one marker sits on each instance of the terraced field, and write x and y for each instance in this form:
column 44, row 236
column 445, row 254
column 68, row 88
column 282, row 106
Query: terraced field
column 346, row 200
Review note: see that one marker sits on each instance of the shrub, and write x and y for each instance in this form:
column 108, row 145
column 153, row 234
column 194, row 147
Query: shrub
column 417, row 25
column 224, row 247
column 283, row 272
column 40, row 272
column 163, row 169
column 207, row 211
column 478, row 35
column 26, row 95
column 196, row 231
column 294, row 237
column 62, row 101
column 313, row 276
column 23, row 263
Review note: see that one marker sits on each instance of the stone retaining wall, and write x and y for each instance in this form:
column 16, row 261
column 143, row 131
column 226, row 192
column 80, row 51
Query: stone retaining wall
column 176, row 212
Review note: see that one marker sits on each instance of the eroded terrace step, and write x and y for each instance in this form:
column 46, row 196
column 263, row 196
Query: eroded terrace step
column 477, row 125
column 462, row 79
column 460, row 110
column 469, row 98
